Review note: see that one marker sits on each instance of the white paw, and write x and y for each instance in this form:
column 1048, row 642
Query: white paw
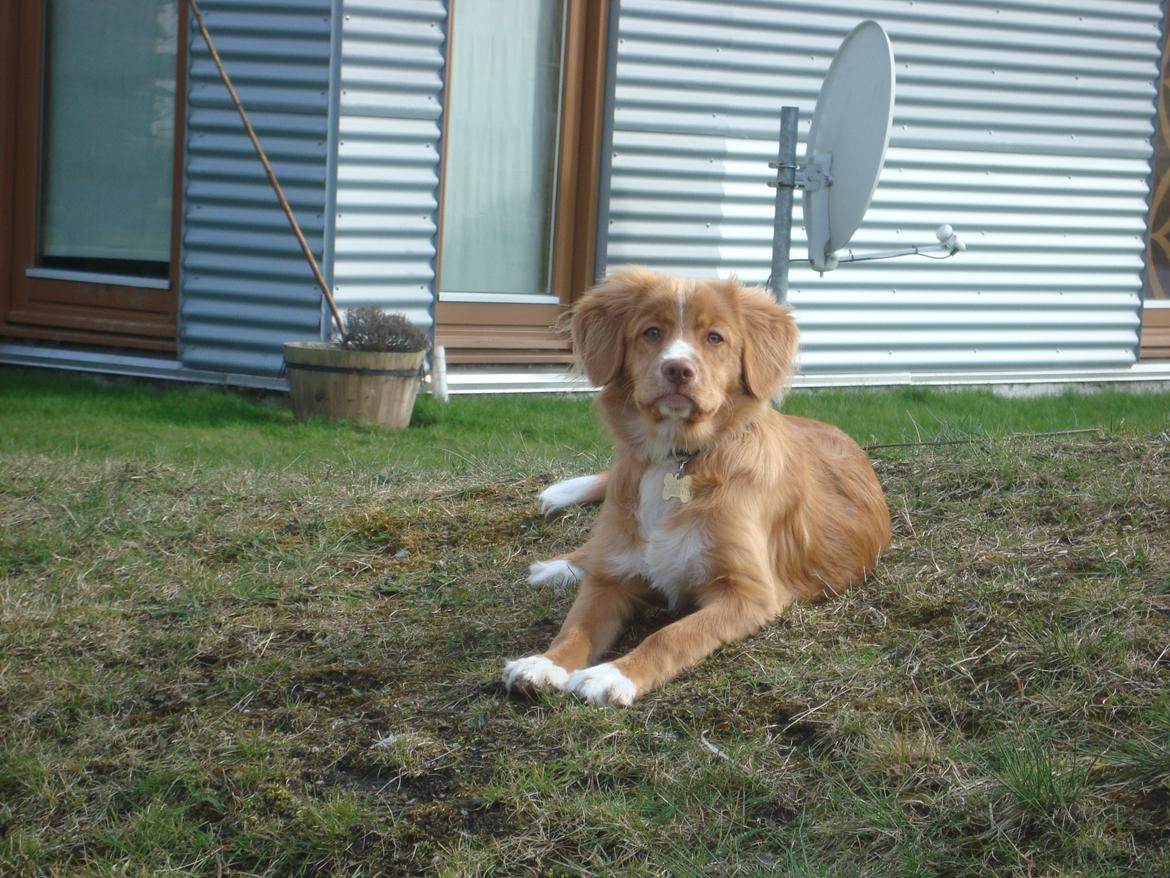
column 568, row 493
column 557, row 573
column 533, row 674
column 603, row 684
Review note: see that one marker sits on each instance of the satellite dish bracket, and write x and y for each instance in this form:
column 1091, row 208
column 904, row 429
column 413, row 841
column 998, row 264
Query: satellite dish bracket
column 814, row 178
column 811, row 178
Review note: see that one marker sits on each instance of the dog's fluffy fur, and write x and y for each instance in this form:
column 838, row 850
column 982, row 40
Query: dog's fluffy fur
column 783, row 509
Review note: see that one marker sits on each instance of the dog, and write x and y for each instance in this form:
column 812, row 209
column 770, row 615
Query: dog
column 715, row 503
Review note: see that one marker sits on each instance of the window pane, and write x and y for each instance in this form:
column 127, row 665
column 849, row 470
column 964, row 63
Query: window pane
column 108, row 137
column 501, row 160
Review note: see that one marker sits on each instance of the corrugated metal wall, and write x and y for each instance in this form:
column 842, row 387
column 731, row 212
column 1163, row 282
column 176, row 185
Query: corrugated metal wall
column 245, row 286
column 1026, row 125
column 388, row 155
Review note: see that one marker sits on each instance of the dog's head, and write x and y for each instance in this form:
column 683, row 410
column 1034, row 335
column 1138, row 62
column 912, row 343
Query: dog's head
column 681, row 349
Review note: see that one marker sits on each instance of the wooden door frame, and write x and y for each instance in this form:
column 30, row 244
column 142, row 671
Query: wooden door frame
column 1155, row 320
column 9, row 22
column 71, row 311
column 490, row 332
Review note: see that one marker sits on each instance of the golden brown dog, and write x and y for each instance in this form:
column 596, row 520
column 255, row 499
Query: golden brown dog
column 715, row 502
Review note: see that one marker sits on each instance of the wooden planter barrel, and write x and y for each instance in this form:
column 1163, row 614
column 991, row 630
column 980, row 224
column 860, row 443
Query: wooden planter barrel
column 369, row 387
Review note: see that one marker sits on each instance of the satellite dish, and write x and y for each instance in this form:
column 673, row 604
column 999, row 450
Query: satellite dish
column 847, row 141
column 846, row 149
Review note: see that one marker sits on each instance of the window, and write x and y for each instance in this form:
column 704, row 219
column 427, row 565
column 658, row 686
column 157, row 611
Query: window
column 502, row 146
column 522, row 132
column 107, row 136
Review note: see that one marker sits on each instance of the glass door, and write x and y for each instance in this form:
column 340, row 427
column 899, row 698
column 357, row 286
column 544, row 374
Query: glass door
column 522, row 128
column 96, row 162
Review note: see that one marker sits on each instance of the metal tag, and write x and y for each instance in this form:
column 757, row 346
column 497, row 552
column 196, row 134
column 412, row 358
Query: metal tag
column 676, row 488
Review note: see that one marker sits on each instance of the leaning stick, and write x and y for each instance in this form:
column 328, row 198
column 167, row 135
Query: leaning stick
column 292, row 220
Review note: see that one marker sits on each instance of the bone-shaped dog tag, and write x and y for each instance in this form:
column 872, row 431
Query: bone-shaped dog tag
column 676, row 488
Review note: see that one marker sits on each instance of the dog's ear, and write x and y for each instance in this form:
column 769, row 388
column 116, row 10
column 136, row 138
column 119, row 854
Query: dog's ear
column 599, row 322
column 769, row 342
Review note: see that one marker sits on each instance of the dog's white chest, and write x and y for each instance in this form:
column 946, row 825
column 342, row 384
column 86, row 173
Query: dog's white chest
column 673, row 547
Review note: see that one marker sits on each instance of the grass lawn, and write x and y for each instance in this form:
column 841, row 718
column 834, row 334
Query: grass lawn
column 235, row 645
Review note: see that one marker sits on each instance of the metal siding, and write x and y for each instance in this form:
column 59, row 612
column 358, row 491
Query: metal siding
column 245, row 286
column 388, row 155
column 1026, row 125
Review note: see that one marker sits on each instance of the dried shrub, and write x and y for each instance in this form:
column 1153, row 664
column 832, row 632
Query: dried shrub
column 370, row 328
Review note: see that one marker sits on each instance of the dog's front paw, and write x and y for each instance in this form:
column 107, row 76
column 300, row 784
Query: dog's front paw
column 533, row 674
column 571, row 492
column 603, row 684
column 557, row 573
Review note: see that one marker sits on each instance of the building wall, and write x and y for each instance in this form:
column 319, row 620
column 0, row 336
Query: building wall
column 346, row 98
column 1025, row 125
column 245, row 287
column 391, row 100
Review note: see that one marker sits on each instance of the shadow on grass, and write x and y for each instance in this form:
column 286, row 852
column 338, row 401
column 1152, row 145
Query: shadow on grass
column 50, row 393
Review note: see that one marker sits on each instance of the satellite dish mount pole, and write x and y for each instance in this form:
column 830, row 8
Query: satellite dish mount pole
column 782, row 222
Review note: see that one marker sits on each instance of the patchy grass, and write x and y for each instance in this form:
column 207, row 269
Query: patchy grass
column 242, row 646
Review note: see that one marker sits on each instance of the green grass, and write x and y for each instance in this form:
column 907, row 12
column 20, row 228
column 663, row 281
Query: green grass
column 232, row 644
column 51, row 412
column 215, row 427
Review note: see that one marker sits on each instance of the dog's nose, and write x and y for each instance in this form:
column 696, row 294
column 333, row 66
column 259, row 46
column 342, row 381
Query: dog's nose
column 678, row 372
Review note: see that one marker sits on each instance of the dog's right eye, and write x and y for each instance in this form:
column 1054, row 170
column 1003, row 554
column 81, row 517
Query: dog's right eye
column 653, row 333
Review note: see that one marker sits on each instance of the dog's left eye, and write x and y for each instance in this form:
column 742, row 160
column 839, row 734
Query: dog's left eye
column 714, row 338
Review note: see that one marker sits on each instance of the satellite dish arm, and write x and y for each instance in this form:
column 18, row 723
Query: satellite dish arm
column 948, row 242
